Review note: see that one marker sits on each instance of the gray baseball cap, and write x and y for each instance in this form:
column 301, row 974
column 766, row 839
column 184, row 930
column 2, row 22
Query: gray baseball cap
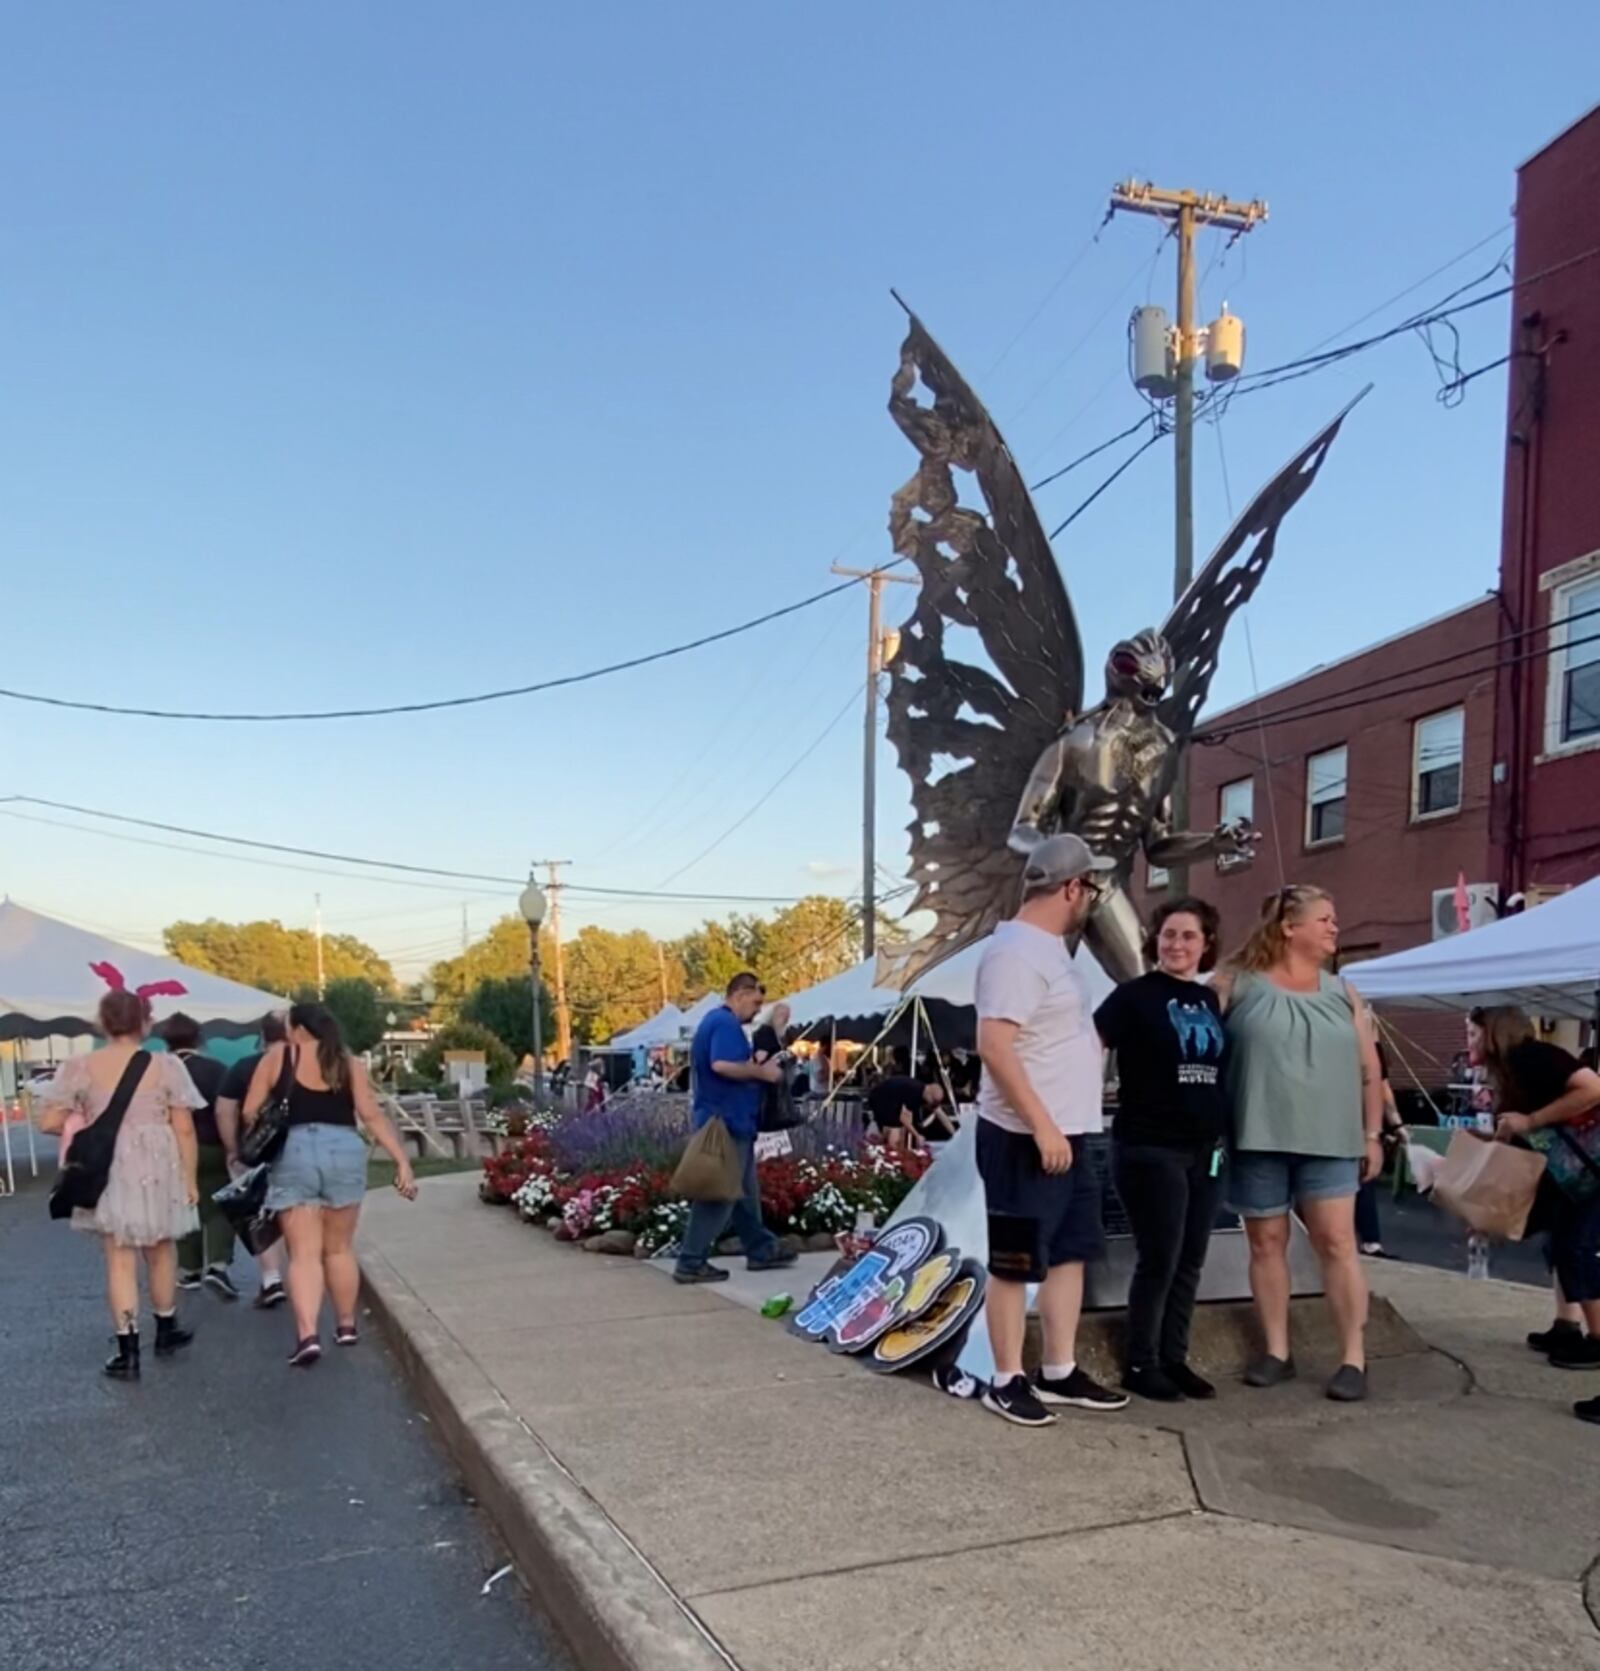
column 1062, row 858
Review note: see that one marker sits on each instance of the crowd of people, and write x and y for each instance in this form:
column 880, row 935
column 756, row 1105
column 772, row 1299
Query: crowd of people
column 180, row 1120
column 1257, row 1081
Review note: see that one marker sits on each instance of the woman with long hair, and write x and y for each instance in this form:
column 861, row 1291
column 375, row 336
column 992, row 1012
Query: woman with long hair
column 1308, row 1122
column 320, row 1175
column 1544, row 1097
column 1172, row 1118
column 150, row 1196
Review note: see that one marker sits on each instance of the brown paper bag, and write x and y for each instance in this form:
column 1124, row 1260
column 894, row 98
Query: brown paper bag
column 1490, row 1185
column 711, row 1169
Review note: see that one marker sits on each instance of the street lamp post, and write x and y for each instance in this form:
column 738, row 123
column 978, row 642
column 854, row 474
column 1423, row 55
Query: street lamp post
column 531, row 905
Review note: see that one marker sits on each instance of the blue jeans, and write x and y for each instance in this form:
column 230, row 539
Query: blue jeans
column 708, row 1220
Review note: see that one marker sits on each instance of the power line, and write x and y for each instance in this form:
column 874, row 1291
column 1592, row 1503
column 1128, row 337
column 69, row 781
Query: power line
column 783, row 777
column 1307, row 706
column 352, row 859
column 442, row 702
column 1093, row 452
column 1137, row 453
column 1405, row 690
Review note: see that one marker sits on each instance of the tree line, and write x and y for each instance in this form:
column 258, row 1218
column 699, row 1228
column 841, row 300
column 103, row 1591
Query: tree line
column 614, row 978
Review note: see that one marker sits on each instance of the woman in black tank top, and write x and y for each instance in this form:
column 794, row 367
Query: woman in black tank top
column 320, row 1175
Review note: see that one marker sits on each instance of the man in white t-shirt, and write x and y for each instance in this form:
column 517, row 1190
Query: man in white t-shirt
column 1041, row 1089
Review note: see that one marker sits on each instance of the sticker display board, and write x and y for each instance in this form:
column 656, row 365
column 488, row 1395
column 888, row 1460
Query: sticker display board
column 890, row 1286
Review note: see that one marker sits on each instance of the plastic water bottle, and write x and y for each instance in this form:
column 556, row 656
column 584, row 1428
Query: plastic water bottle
column 1478, row 1256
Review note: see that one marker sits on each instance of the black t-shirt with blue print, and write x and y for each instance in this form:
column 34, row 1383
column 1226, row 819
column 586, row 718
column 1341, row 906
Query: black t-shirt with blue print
column 1172, row 1055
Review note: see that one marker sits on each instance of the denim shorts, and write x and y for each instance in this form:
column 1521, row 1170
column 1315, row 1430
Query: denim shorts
column 1264, row 1183
column 319, row 1166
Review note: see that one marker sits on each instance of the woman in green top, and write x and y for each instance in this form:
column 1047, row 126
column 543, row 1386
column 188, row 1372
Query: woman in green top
column 1308, row 1113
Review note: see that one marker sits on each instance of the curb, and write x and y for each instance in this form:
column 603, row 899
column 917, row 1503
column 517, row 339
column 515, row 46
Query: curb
column 613, row 1608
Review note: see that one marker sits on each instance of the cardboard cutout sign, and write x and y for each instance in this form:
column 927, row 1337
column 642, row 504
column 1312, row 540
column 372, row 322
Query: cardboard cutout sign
column 894, row 1282
column 940, row 1327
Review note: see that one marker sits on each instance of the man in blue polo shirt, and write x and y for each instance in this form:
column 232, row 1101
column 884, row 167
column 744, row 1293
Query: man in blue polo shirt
column 727, row 1084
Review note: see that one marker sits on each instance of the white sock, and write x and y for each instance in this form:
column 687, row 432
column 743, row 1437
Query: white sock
column 1057, row 1371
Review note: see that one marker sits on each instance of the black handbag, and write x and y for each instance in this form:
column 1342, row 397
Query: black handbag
column 243, row 1202
column 778, row 1111
column 266, row 1135
column 87, row 1169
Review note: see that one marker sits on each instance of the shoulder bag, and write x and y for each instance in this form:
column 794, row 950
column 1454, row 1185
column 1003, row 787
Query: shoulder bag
column 86, row 1169
column 266, row 1135
column 1573, row 1157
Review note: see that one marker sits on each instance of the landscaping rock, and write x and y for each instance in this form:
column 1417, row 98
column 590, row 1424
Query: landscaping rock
column 822, row 1242
column 611, row 1241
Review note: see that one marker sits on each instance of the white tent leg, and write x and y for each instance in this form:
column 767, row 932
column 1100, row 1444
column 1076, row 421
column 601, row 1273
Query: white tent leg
column 5, row 1126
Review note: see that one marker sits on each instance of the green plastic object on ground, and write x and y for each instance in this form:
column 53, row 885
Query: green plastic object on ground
column 778, row 1305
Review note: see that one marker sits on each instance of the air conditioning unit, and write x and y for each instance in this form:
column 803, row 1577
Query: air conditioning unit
column 1483, row 899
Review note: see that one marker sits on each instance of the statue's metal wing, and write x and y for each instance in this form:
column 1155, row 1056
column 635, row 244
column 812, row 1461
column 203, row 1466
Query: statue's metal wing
column 996, row 575
column 1198, row 620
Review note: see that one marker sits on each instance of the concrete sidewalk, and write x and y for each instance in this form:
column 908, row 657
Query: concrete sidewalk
column 687, row 1485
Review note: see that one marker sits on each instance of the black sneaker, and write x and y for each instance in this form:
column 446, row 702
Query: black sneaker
column 1560, row 1333
column 1187, row 1382
column 704, row 1273
column 189, row 1280
column 219, row 1282
column 1016, row 1401
column 781, row 1260
column 1586, row 1410
column 1148, row 1381
column 1081, row 1391
column 954, row 1381
column 1580, row 1353
column 273, row 1294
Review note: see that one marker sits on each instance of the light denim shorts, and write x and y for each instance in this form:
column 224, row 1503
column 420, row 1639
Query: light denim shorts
column 319, row 1166
column 1262, row 1183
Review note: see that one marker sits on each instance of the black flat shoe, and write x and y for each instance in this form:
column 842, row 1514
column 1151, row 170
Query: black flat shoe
column 1268, row 1371
column 1187, row 1382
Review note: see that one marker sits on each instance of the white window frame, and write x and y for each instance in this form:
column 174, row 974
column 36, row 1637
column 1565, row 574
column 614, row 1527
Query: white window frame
column 1249, row 814
column 1562, row 599
column 1418, row 816
column 1155, row 877
column 1311, row 805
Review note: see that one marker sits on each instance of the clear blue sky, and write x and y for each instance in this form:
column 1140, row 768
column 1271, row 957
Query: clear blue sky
column 371, row 352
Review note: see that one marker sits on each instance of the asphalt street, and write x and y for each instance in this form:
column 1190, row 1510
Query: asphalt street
column 226, row 1511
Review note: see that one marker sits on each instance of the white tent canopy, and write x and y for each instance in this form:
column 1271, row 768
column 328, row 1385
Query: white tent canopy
column 697, row 1013
column 1547, row 959
column 53, row 976
column 664, row 1027
column 854, row 995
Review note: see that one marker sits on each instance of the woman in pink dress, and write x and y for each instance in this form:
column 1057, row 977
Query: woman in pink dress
column 149, row 1200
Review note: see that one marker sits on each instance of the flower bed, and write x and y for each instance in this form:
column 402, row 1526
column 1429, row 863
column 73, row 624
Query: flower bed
column 589, row 1174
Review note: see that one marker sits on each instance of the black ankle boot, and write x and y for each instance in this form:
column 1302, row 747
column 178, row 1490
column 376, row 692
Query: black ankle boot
column 125, row 1365
column 169, row 1337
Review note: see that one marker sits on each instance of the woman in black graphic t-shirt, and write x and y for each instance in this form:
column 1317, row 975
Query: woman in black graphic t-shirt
column 1166, row 1028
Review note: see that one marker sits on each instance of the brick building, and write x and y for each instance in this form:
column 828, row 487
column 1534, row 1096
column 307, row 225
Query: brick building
column 1367, row 786
column 1545, row 817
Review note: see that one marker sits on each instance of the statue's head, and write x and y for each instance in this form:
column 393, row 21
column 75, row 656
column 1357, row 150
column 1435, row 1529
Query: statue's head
column 1140, row 669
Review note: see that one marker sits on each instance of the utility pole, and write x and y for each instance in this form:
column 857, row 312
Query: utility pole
column 1185, row 212
column 466, row 937
column 563, row 1014
column 322, row 985
column 661, row 966
column 876, row 658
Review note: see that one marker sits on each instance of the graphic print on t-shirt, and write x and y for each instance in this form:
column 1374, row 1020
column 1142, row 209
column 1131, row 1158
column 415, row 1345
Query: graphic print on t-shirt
column 1200, row 1041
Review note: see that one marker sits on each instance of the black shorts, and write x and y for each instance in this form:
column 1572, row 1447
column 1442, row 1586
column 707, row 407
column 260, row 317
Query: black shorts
column 1037, row 1219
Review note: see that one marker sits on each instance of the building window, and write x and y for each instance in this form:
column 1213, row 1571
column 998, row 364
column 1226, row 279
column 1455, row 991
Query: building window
column 1573, row 704
column 1155, row 878
column 1236, row 802
column 1327, row 777
column 1436, row 750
